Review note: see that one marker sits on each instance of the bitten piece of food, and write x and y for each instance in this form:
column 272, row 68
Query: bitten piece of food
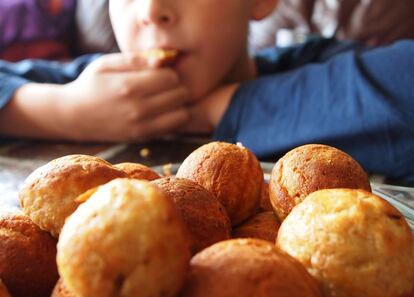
column 163, row 56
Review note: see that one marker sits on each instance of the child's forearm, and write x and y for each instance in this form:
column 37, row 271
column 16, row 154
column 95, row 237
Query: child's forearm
column 36, row 110
column 117, row 98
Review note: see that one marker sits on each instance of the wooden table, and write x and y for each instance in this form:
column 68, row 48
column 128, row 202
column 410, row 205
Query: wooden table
column 19, row 158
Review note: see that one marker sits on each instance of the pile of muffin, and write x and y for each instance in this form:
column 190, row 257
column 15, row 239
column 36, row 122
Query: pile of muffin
column 88, row 228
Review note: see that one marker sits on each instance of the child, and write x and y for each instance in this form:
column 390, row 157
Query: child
column 359, row 101
column 120, row 96
column 321, row 92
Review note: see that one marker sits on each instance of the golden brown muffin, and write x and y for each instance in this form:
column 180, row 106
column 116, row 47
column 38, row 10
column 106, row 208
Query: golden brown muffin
column 265, row 204
column 246, row 268
column 61, row 290
column 353, row 242
column 49, row 193
column 3, row 290
column 138, row 171
column 412, row 293
column 309, row 168
column 27, row 256
column 202, row 213
column 264, row 225
column 231, row 172
column 126, row 240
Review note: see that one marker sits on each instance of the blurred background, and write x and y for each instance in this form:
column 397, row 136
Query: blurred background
column 63, row 29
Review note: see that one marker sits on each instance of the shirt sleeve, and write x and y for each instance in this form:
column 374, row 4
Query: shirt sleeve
column 316, row 49
column 14, row 75
column 360, row 102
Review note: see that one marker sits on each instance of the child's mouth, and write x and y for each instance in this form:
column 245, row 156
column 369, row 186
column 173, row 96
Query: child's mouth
column 181, row 55
column 162, row 57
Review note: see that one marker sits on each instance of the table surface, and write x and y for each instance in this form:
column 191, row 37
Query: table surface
column 19, row 158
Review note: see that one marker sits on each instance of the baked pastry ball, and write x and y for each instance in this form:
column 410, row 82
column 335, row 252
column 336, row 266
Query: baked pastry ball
column 126, row 240
column 245, row 268
column 61, row 290
column 353, row 242
column 3, row 290
column 309, row 168
column 138, row 171
column 263, row 225
column 49, row 193
column 265, row 203
column 205, row 217
column 231, row 172
column 27, row 256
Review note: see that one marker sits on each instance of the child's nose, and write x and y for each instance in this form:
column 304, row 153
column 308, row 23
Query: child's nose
column 157, row 12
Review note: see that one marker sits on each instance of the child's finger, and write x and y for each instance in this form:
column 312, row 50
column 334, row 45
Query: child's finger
column 147, row 82
column 164, row 124
column 164, row 102
column 123, row 62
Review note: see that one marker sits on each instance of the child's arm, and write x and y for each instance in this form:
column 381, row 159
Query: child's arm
column 118, row 97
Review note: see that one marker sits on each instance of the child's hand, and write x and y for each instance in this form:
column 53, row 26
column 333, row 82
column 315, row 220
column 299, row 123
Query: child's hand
column 205, row 114
column 124, row 98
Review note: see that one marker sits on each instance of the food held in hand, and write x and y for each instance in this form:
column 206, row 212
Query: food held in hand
column 27, row 256
column 49, row 194
column 353, row 243
column 138, row 171
column 246, row 268
column 264, row 225
column 164, row 56
column 309, row 168
column 231, row 172
column 126, row 240
column 205, row 217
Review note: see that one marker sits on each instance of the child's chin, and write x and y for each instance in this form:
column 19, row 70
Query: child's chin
column 201, row 90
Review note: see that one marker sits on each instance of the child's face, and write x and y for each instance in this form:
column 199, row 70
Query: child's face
column 210, row 35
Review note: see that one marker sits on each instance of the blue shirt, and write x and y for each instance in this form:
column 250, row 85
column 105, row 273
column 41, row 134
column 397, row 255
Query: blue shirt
column 361, row 101
column 358, row 100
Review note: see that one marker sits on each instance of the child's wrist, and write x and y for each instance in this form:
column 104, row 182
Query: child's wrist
column 34, row 112
column 66, row 110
